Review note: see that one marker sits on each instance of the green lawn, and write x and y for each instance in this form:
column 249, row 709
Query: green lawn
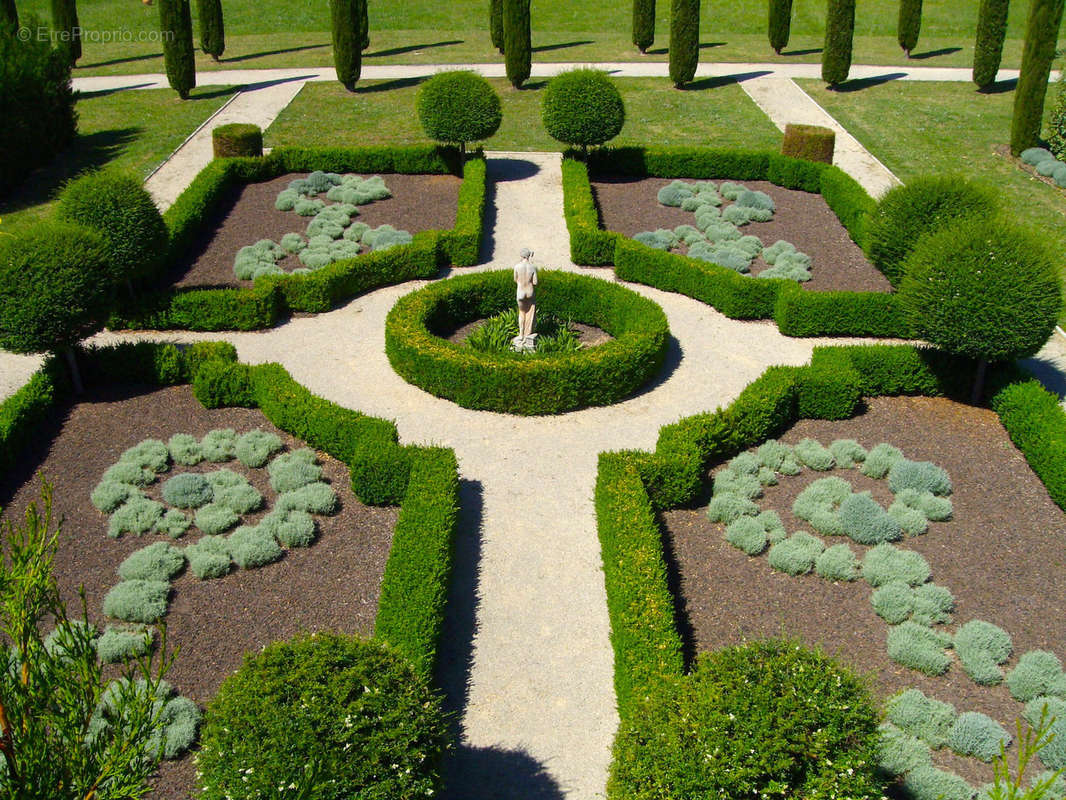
column 383, row 112
column 123, row 35
column 133, row 130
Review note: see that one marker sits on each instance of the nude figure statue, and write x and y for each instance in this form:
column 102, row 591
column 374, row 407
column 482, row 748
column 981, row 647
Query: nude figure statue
column 525, row 276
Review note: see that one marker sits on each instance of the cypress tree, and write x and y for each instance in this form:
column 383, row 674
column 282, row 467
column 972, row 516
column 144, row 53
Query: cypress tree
column 780, row 24
column 1041, row 38
column 839, row 30
column 684, row 40
column 175, row 22
column 8, row 13
column 212, row 31
column 496, row 23
column 910, row 22
column 365, row 22
column 643, row 24
column 346, row 20
column 65, row 23
column 988, row 46
column 517, row 42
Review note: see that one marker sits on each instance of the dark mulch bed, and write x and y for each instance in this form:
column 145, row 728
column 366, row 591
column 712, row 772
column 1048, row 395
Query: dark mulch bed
column 587, row 335
column 1002, row 557
column 629, row 206
column 418, row 203
column 332, row 585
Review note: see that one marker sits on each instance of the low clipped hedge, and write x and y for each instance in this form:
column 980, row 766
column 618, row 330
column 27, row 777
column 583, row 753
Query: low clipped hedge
column 271, row 297
column 797, row 312
column 237, row 139
column 520, row 384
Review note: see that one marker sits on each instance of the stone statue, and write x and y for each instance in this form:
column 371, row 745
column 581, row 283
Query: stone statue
column 525, row 276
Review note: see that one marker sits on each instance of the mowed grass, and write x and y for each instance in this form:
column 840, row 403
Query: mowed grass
column 131, row 130
column 383, row 112
column 121, row 36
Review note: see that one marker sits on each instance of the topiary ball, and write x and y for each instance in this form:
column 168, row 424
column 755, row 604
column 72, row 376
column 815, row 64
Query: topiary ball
column 117, row 206
column 582, row 107
column 458, row 106
column 369, row 722
column 745, row 723
column 983, row 289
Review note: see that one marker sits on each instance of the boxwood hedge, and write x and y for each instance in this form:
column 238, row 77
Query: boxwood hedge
column 514, row 384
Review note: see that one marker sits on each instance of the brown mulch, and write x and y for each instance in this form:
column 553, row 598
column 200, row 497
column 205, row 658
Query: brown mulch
column 629, row 206
column 331, row 585
column 587, row 335
column 418, row 203
column 1001, row 555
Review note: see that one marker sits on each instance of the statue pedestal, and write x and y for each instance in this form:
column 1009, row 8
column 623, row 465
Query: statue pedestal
column 524, row 344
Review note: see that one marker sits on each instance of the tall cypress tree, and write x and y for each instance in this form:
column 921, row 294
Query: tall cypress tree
column 346, row 20
column 364, row 20
column 496, row 23
column 1041, row 38
column 8, row 13
column 780, row 24
column 910, row 22
column 684, row 40
column 643, row 24
column 65, row 23
column 175, row 22
column 988, row 46
column 839, row 32
column 517, row 41
column 212, row 31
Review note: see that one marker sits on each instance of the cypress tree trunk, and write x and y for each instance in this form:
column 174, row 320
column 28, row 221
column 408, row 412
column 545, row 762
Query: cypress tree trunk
column 9, row 13
column 496, row 23
column 1041, row 37
column 780, row 24
column 364, row 20
column 910, row 22
column 839, row 31
column 643, row 24
column 65, row 23
column 684, row 40
column 345, row 18
column 175, row 22
column 212, row 31
column 988, row 46
column 517, row 41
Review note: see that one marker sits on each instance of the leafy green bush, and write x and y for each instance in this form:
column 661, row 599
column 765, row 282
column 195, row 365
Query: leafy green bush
column 930, row 783
column 982, row 647
column 796, row 554
column 899, row 752
column 253, row 546
column 458, row 106
column 158, row 561
column 886, row 562
column 368, row 723
column 920, row 648
column 866, row 522
column 837, row 563
column 137, row 600
column 187, row 490
column 924, row 205
column 209, row 557
column 928, row 719
column 751, row 715
column 1037, row 426
column 811, row 142
column 1038, row 672
column 582, row 108
column 118, row 207
column 978, row 735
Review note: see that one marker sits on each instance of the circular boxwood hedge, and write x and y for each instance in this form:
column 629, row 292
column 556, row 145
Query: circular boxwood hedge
column 522, row 384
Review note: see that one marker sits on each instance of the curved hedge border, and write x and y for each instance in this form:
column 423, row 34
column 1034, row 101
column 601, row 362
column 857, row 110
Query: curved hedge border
column 797, row 312
column 518, row 384
column 273, row 296
column 424, row 481
column 632, row 485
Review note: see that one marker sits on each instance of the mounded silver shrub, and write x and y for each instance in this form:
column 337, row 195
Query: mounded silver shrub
column 755, row 199
column 1053, row 754
column 919, row 648
column 812, row 454
column 727, row 507
column 886, row 562
column 661, row 239
column 208, row 557
column 767, row 477
column 780, row 247
column 921, row 476
column 251, row 547
column 787, row 271
column 343, row 249
column 879, row 460
column 930, row 783
column 138, row 515
column 686, row 234
column 185, row 449
column 824, row 494
column 751, row 246
column 308, row 207
column 293, row 243
column 1037, row 672
column 900, row 752
column 674, row 193
column 866, row 522
column 730, row 258
column 752, row 534
column 109, row 495
column 730, row 190
column 158, row 561
column 847, row 453
column 1034, row 155
column 978, row 735
column 933, row 508
column 384, row 237
column 796, row 554
column 1047, row 167
column 892, row 602
column 286, row 200
column 778, row 456
column 126, row 472
column 173, row 523
column 314, row 498
column 837, row 563
column 215, row 518
column 124, row 643
column 137, row 601
column 219, row 445
column 187, row 490
column 721, row 230
column 910, row 520
column 932, row 604
column 290, row 528
column 150, row 454
column 981, row 648
column 738, row 215
column 290, row 471
column 254, row 448
column 178, row 717
column 743, row 485
column 746, row 463
column 240, row 499
column 928, row 719
column 224, row 479
column 315, row 258
column 355, row 231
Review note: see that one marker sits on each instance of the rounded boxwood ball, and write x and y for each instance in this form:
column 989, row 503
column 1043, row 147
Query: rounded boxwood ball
column 582, row 107
column 458, row 106
column 982, row 289
column 370, row 723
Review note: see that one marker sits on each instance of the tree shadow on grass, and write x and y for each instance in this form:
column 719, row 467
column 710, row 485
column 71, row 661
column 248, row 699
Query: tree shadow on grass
column 1000, row 87
column 943, row 51
column 398, row 51
column 662, row 51
column 859, row 84
column 560, row 46
column 386, row 86
column 127, row 60
column 810, row 51
column 265, row 53
column 115, row 90
column 718, row 81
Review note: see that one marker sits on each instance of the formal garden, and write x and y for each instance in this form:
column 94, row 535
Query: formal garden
column 841, row 580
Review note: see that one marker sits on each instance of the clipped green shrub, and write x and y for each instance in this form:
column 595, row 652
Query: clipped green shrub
column 928, row 719
column 209, row 557
column 898, row 752
column 779, row 25
column 1056, row 126
column 930, row 783
column 253, row 546
column 909, row 24
column 458, row 106
column 158, row 561
column 1038, row 53
column 978, row 735
column 118, row 207
column 372, row 724
column 796, row 554
column 582, row 108
column 219, row 445
column 885, row 563
column 988, row 44
column 254, row 448
column 643, row 24
column 238, row 139
column 121, row 644
column 1036, row 673
column 981, row 648
column 809, row 142
column 137, row 601
column 684, row 41
column 880, row 460
column 837, row 563
column 839, row 32
column 346, row 26
column 919, row 648
column 743, row 723
column 175, row 23
column 517, row 41
column 924, row 205
column 139, row 514
column 866, row 522
column 213, row 39
column 187, row 490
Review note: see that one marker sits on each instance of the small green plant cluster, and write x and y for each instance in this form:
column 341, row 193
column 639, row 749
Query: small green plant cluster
column 1046, row 163
column 495, row 334
column 716, row 236
column 1049, row 711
